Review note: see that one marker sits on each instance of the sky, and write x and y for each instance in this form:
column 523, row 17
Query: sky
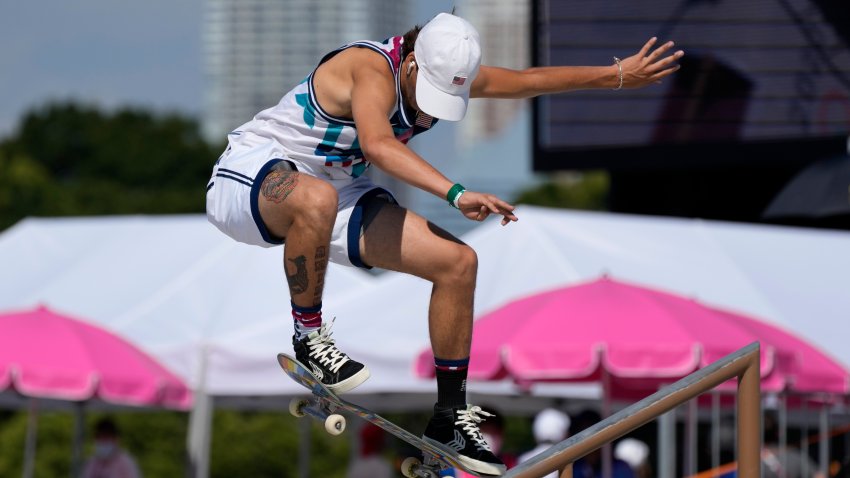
column 104, row 52
column 118, row 53
column 109, row 53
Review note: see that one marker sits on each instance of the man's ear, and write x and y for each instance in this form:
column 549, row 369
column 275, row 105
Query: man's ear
column 411, row 63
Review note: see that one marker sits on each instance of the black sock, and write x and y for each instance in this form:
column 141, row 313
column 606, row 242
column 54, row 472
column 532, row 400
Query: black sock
column 451, row 382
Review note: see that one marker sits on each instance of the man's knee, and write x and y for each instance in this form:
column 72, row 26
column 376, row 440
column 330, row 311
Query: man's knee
column 461, row 266
column 321, row 203
column 292, row 199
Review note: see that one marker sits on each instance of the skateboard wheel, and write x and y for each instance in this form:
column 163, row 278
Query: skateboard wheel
column 409, row 465
column 335, row 424
column 296, row 407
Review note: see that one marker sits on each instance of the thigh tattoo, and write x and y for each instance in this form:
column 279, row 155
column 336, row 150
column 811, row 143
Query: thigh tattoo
column 278, row 185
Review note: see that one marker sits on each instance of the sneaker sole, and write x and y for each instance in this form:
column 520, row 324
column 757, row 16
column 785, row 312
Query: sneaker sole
column 477, row 466
column 351, row 382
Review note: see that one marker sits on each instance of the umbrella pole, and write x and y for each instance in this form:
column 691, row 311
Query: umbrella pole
column 199, row 434
column 804, row 436
column 783, row 429
column 79, row 437
column 823, row 446
column 691, row 438
column 607, row 461
column 29, row 444
column 667, row 445
column 715, row 430
column 304, row 428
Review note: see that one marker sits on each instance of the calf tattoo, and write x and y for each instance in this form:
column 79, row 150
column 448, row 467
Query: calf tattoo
column 320, row 265
column 298, row 279
column 278, row 185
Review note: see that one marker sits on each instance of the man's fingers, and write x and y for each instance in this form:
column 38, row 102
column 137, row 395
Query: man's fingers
column 653, row 57
column 664, row 64
column 489, row 204
column 666, row 72
column 643, row 51
column 483, row 213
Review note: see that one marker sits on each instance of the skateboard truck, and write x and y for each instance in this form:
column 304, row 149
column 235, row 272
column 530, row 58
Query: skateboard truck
column 320, row 410
column 413, row 467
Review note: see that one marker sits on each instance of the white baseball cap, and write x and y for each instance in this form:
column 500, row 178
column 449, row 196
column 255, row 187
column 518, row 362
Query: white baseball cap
column 632, row 451
column 448, row 53
column 551, row 426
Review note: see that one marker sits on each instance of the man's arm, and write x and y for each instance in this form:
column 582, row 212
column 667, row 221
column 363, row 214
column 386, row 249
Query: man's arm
column 372, row 98
column 641, row 69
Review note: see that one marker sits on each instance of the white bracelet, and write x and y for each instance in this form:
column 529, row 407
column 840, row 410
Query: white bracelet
column 457, row 198
column 620, row 69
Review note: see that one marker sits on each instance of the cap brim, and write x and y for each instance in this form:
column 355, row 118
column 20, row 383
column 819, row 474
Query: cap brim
column 439, row 104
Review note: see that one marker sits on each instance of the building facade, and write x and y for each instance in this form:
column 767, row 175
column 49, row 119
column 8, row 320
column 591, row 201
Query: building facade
column 256, row 50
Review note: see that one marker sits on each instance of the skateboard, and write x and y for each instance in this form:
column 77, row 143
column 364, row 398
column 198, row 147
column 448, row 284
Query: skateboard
column 324, row 406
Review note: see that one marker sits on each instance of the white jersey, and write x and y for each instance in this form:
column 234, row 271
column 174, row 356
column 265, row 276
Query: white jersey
column 327, row 145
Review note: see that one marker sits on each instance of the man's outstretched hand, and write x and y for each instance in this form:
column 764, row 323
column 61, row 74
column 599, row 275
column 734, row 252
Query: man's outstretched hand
column 479, row 206
column 649, row 66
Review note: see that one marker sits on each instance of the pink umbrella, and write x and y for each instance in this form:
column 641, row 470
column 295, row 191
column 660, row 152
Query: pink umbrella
column 633, row 340
column 47, row 355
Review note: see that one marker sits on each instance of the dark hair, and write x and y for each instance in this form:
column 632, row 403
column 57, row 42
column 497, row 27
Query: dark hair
column 105, row 427
column 584, row 420
column 409, row 40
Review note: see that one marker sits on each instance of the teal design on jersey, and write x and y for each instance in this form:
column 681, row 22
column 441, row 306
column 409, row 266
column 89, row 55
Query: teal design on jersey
column 358, row 169
column 327, row 147
column 303, row 100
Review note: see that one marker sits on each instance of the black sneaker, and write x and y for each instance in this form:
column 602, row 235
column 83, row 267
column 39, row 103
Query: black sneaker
column 331, row 366
column 457, row 429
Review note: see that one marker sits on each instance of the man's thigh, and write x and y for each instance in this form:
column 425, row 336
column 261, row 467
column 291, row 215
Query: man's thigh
column 398, row 239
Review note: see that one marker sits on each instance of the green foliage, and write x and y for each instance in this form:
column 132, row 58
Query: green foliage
column 157, row 440
column 256, row 444
column 53, row 450
column 265, row 444
column 70, row 159
column 573, row 190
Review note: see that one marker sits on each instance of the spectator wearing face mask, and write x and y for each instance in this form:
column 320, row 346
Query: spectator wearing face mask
column 109, row 459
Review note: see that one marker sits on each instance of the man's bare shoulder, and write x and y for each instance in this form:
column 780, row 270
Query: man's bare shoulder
column 354, row 59
column 335, row 79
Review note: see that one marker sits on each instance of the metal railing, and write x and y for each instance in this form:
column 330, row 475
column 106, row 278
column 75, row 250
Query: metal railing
column 743, row 364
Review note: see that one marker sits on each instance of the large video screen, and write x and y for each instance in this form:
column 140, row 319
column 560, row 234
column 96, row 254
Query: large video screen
column 753, row 70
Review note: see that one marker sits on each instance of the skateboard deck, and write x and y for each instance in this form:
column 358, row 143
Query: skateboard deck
column 324, row 404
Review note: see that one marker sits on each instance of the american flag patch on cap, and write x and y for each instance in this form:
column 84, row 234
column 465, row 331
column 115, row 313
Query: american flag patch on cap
column 424, row 120
column 459, row 80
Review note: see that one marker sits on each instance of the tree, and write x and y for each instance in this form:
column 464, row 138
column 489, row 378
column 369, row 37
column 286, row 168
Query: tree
column 570, row 190
column 71, row 159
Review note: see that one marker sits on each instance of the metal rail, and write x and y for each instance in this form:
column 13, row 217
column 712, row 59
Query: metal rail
column 743, row 364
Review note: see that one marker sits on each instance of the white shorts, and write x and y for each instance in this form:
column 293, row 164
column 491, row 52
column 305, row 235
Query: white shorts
column 233, row 194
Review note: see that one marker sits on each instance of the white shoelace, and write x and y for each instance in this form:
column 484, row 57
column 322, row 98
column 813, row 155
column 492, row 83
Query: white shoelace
column 470, row 418
column 323, row 349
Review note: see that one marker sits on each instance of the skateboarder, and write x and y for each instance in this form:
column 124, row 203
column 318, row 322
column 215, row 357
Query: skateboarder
column 294, row 173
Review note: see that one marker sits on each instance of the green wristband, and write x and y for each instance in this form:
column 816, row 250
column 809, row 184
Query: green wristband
column 454, row 193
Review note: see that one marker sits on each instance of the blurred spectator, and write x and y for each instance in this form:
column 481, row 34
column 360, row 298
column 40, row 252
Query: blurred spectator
column 787, row 463
column 370, row 463
column 550, row 427
column 591, row 465
column 109, row 459
column 636, row 454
